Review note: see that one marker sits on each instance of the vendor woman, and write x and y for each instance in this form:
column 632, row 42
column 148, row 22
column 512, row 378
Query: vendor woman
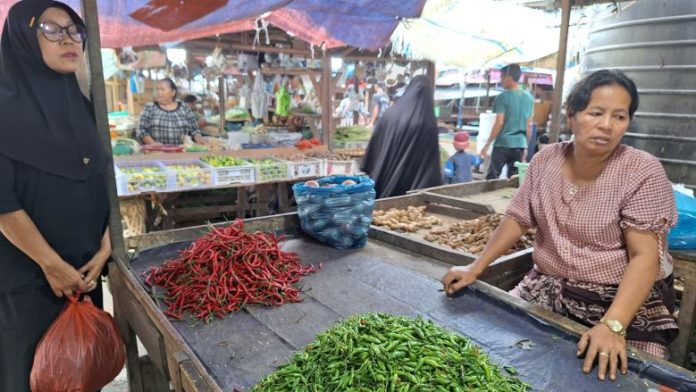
column 602, row 211
column 167, row 121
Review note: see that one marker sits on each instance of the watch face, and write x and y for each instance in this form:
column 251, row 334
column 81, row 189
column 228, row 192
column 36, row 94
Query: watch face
column 614, row 325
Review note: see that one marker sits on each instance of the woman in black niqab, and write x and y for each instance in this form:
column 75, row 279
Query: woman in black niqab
column 54, row 205
column 403, row 153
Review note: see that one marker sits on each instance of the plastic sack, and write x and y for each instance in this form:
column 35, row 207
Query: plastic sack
column 82, row 351
column 683, row 236
column 340, row 215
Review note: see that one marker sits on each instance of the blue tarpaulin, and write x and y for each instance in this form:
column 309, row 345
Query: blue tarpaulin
column 361, row 23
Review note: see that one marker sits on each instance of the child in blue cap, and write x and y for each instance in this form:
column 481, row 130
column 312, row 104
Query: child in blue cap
column 458, row 166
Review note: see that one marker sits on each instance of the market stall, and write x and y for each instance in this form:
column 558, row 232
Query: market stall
column 297, row 125
column 239, row 350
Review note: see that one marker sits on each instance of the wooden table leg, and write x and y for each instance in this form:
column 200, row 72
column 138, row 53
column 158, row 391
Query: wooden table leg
column 283, row 197
column 687, row 322
column 242, row 202
column 135, row 374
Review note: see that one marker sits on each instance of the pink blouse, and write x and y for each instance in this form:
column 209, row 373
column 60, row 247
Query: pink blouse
column 579, row 229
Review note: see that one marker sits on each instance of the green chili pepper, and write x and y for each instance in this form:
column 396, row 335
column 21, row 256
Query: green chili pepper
column 379, row 352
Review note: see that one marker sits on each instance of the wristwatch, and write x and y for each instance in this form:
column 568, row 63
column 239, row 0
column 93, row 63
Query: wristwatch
column 614, row 325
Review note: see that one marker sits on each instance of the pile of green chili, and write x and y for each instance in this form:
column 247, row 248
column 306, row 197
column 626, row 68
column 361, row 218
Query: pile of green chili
column 380, row 352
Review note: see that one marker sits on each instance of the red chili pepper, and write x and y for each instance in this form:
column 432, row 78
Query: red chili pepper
column 227, row 269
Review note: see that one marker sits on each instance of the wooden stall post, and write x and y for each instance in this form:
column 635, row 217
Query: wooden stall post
column 98, row 92
column 119, row 253
column 222, row 89
column 685, row 268
column 560, row 73
column 430, row 72
column 356, row 86
column 326, row 99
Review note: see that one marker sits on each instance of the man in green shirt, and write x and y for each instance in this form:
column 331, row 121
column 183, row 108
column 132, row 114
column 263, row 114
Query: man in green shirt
column 513, row 125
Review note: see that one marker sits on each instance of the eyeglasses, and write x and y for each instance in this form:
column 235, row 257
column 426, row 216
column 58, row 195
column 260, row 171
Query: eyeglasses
column 55, row 33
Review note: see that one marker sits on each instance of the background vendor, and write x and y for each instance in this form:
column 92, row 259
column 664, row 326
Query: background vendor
column 192, row 101
column 167, row 121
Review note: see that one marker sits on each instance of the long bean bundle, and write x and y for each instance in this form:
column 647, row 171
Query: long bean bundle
column 379, row 352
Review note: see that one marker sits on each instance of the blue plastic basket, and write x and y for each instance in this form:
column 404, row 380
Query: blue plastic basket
column 339, row 215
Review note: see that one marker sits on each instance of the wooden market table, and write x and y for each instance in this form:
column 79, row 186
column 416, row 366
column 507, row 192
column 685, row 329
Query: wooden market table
column 236, row 352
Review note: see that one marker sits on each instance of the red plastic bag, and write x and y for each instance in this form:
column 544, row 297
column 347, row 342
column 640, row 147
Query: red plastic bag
column 82, row 351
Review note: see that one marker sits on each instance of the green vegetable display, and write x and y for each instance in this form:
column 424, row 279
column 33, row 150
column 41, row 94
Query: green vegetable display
column 355, row 133
column 379, row 352
column 124, row 146
column 236, row 114
column 144, row 178
column 190, row 175
column 223, row 161
column 196, row 148
column 270, row 170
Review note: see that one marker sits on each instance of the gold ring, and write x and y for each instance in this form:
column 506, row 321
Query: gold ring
column 604, row 354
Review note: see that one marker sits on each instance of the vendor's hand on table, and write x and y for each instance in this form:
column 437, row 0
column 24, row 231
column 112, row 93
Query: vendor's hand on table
column 459, row 277
column 608, row 347
column 64, row 279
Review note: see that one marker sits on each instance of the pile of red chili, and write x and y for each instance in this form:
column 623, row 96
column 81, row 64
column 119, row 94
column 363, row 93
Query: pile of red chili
column 227, row 269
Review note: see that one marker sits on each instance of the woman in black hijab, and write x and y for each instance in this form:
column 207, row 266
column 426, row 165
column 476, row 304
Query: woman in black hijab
column 54, row 207
column 403, row 153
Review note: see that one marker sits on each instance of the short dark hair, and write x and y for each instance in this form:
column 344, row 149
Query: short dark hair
column 171, row 84
column 580, row 95
column 513, row 71
column 190, row 98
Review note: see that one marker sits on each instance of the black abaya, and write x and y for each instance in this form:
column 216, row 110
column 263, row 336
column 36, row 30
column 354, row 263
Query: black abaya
column 403, row 153
column 53, row 168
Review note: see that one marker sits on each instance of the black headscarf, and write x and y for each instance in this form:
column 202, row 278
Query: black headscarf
column 403, row 153
column 46, row 121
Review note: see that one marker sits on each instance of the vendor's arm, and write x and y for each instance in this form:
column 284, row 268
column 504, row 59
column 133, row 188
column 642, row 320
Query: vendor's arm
column 520, row 217
column 149, row 140
column 144, row 126
column 647, row 213
column 198, row 138
column 194, row 131
column 638, row 280
column 503, row 238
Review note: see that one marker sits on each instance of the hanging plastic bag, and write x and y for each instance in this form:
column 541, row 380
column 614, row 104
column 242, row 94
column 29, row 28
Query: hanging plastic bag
column 82, row 351
column 683, row 236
